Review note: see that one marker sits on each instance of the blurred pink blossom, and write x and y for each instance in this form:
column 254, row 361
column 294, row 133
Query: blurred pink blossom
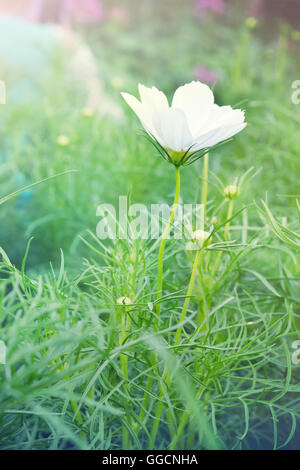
column 205, row 75
column 215, row 6
column 81, row 11
column 33, row 11
column 63, row 12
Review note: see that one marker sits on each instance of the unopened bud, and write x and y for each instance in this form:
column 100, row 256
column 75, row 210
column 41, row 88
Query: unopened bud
column 231, row 191
column 295, row 35
column 124, row 301
column 200, row 236
column 63, row 140
column 117, row 83
column 87, row 112
column 251, row 22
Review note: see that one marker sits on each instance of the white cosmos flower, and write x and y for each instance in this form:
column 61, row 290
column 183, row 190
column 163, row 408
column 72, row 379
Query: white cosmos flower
column 192, row 123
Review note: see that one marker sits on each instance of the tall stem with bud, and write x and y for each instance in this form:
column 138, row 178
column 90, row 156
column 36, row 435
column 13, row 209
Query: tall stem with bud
column 162, row 247
column 160, row 280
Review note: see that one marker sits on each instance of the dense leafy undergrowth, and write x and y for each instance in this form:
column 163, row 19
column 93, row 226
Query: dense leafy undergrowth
column 231, row 381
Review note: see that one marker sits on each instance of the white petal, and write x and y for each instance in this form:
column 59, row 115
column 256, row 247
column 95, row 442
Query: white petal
column 152, row 102
column 218, row 135
column 223, row 116
column 153, row 99
column 196, row 100
column 141, row 111
column 223, row 123
column 134, row 104
column 229, row 131
column 172, row 128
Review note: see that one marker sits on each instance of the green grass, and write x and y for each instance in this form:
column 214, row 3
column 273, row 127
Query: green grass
column 85, row 372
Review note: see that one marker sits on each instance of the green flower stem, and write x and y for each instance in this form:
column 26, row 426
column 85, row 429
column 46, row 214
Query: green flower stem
column 78, row 419
column 204, row 201
column 159, row 288
column 162, row 247
column 204, row 188
column 186, row 414
column 229, row 215
column 166, row 375
column 145, row 399
column 198, row 254
column 156, row 421
column 183, row 423
column 188, row 296
column 123, row 333
column 125, row 322
column 219, row 256
column 160, row 280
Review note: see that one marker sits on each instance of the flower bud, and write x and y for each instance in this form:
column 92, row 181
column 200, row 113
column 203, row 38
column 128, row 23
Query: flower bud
column 63, row 141
column 117, row 83
column 295, row 35
column 251, row 22
column 231, row 191
column 200, row 236
column 87, row 112
column 124, row 301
